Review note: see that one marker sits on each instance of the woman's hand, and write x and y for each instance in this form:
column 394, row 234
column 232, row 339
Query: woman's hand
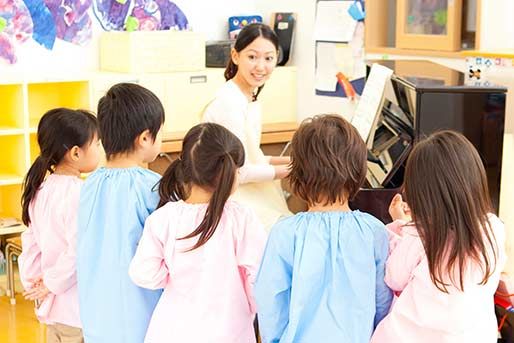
column 399, row 210
column 281, row 171
column 279, row 160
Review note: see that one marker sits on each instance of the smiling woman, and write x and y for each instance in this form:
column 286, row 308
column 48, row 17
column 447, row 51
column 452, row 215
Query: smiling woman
column 236, row 107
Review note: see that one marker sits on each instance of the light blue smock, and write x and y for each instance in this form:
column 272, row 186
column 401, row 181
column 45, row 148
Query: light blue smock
column 114, row 204
column 322, row 279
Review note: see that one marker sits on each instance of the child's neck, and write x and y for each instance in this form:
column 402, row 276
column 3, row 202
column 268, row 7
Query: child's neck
column 198, row 195
column 124, row 161
column 66, row 168
column 333, row 207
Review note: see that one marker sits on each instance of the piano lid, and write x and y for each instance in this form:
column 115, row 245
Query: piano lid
column 433, row 77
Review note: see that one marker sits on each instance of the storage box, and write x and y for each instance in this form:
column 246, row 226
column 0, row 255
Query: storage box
column 152, row 51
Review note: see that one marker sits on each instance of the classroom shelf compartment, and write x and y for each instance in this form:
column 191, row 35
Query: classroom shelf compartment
column 45, row 96
column 11, row 112
column 10, row 201
column 12, row 156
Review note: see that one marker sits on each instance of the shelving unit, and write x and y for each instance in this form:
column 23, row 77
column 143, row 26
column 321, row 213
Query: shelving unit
column 23, row 104
column 184, row 96
column 381, row 31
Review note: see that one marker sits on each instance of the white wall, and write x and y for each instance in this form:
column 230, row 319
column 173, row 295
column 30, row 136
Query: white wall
column 206, row 16
column 304, row 58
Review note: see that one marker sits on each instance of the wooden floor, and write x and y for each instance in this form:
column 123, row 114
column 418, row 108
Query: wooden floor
column 18, row 323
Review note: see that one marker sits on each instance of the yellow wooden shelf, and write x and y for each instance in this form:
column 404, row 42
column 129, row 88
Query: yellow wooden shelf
column 10, row 179
column 23, row 104
column 9, row 131
column 45, row 96
column 10, row 198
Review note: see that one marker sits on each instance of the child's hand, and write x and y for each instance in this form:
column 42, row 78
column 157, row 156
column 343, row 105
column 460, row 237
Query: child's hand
column 38, row 292
column 399, row 210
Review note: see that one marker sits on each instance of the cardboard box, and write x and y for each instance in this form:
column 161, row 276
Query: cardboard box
column 152, row 51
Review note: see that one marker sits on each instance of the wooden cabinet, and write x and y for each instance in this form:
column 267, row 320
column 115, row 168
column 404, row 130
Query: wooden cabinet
column 428, row 25
column 185, row 95
column 441, row 28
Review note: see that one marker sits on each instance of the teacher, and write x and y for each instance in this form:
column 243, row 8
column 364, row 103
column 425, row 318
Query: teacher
column 237, row 108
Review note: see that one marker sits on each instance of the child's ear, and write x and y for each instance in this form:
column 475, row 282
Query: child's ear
column 74, row 153
column 144, row 139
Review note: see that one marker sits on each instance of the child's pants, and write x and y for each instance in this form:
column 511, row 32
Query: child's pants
column 60, row 333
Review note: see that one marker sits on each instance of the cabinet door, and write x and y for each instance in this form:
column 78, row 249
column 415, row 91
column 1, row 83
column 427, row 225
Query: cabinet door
column 429, row 24
column 187, row 95
column 278, row 97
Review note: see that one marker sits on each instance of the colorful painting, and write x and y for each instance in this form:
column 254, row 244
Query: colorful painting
column 44, row 26
column 15, row 28
column 69, row 20
column 145, row 15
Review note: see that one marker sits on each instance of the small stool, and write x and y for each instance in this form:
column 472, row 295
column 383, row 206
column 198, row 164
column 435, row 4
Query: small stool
column 13, row 248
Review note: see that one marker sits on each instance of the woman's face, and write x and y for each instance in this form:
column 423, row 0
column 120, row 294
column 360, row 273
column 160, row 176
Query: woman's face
column 256, row 62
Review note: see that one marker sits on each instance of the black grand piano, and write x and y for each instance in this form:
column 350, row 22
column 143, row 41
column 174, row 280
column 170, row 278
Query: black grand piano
column 424, row 97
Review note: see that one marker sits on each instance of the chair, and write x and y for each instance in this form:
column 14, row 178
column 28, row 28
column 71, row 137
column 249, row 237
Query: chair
column 13, row 248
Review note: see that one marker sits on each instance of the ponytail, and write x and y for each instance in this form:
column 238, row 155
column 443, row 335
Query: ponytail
column 230, row 70
column 33, row 180
column 217, row 202
column 172, row 186
column 58, row 130
column 210, row 157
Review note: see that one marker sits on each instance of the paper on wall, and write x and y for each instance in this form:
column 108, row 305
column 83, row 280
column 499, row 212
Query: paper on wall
column 332, row 58
column 333, row 23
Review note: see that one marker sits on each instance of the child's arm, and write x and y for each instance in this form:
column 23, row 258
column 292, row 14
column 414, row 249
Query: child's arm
column 249, row 249
column 383, row 295
column 62, row 275
column 148, row 268
column 29, row 261
column 273, row 286
column 405, row 257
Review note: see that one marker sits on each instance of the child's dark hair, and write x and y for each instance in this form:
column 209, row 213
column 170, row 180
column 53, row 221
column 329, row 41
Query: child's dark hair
column 210, row 156
column 446, row 189
column 58, row 131
column 328, row 160
column 124, row 112
column 247, row 35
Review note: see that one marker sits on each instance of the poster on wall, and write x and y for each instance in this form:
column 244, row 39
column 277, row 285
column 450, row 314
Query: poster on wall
column 72, row 21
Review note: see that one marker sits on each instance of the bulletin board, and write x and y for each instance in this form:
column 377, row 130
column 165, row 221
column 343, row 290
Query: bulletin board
column 339, row 46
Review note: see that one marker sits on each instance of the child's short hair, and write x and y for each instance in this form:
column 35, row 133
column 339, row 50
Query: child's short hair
column 124, row 112
column 328, row 160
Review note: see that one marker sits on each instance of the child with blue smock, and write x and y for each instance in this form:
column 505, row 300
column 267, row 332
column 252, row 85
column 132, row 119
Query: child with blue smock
column 322, row 274
column 114, row 203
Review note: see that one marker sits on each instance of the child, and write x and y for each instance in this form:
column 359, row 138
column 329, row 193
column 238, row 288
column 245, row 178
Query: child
column 322, row 274
column 202, row 248
column 114, row 204
column 445, row 264
column 69, row 145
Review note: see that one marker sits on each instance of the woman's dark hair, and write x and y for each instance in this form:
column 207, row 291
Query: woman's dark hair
column 446, row 189
column 124, row 112
column 328, row 160
column 247, row 35
column 58, row 131
column 210, row 156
